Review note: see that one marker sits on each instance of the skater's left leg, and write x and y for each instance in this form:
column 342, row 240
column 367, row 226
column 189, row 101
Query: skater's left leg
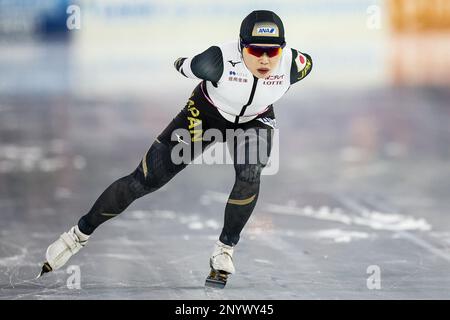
column 241, row 201
column 248, row 165
column 238, row 210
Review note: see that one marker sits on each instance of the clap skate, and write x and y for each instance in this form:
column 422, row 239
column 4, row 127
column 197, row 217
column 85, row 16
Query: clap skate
column 221, row 263
column 60, row 251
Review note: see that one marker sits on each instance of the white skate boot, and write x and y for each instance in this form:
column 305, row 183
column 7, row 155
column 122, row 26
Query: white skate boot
column 60, row 251
column 221, row 263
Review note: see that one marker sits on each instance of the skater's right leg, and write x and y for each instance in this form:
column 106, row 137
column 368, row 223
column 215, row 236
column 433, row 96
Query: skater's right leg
column 157, row 166
column 153, row 172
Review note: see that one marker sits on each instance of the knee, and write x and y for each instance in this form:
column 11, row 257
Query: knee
column 136, row 184
column 249, row 173
column 156, row 167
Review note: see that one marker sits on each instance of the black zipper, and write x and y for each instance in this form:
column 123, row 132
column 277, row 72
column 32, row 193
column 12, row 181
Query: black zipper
column 249, row 102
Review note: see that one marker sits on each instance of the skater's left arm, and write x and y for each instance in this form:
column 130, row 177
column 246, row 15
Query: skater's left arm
column 207, row 65
column 301, row 65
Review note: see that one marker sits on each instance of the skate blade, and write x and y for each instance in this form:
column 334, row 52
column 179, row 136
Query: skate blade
column 216, row 279
column 45, row 269
column 217, row 284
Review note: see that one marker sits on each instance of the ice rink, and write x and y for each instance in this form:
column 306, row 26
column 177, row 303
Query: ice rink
column 359, row 209
column 330, row 213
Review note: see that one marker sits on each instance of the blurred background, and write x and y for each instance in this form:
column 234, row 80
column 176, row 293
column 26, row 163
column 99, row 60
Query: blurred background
column 86, row 86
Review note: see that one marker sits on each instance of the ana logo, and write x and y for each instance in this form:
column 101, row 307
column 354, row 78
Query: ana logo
column 265, row 30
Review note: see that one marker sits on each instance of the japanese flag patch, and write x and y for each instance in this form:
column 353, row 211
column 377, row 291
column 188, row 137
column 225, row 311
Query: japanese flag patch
column 300, row 61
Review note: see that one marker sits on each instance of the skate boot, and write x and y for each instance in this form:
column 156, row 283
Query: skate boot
column 221, row 263
column 60, row 251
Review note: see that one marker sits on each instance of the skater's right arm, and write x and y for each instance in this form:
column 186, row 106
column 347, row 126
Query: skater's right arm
column 207, row 65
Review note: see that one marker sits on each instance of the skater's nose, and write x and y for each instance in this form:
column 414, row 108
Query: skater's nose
column 264, row 60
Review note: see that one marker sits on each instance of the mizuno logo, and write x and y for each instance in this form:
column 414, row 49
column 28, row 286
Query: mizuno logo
column 234, row 63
